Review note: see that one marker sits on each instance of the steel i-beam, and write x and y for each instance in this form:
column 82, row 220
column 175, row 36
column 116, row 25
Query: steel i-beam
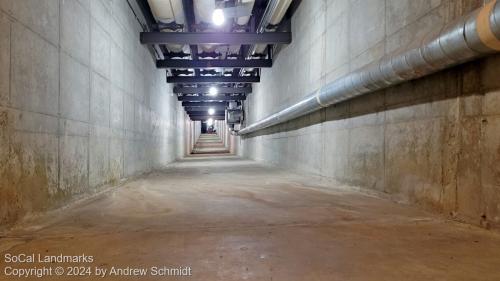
column 229, row 38
column 219, row 89
column 227, row 63
column 210, row 98
column 212, row 79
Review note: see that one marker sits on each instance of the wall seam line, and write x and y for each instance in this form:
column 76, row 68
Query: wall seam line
column 59, row 119
column 10, row 61
column 90, row 94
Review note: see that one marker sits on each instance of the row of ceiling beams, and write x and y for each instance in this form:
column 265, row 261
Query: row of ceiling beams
column 190, row 74
column 192, row 38
column 206, row 104
column 219, row 89
column 205, row 117
column 212, row 79
column 237, row 97
column 219, row 38
column 228, row 63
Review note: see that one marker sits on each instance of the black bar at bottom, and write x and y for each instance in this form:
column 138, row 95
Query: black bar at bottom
column 213, row 79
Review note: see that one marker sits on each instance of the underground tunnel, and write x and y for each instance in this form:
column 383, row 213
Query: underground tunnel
column 250, row 140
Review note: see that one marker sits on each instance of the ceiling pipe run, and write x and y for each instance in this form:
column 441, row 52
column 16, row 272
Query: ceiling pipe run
column 274, row 13
column 218, row 89
column 468, row 38
column 171, row 14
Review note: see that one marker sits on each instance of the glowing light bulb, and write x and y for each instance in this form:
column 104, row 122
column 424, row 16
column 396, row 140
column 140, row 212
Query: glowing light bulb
column 211, row 111
column 210, row 121
column 212, row 92
column 218, row 17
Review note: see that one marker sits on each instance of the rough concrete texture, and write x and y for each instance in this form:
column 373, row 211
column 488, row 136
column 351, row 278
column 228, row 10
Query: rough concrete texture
column 192, row 131
column 432, row 142
column 81, row 103
column 233, row 219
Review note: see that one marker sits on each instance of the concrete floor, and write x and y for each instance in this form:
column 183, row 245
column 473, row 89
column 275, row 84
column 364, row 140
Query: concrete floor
column 209, row 144
column 234, row 219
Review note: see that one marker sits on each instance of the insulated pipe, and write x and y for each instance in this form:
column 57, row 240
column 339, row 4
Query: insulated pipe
column 274, row 13
column 234, row 49
column 268, row 13
column 204, row 9
column 168, row 11
column 465, row 39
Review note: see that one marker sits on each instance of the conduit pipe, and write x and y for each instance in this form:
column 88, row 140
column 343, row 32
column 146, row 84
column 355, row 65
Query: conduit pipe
column 169, row 12
column 273, row 15
column 468, row 38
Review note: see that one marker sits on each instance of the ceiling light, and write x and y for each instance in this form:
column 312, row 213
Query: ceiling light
column 212, row 91
column 211, row 111
column 210, row 121
column 218, row 17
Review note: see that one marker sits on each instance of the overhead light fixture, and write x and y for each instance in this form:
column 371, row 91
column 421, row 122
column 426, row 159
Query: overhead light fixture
column 218, row 17
column 211, row 111
column 212, row 91
column 210, row 121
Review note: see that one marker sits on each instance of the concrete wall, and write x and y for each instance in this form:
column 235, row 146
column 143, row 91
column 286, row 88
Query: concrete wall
column 230, row 141
column 196, row 127
column 182, row 134
column 433, row 142
column 223, row 132
column 234, row 144
column 192, row 131
column 81, row 103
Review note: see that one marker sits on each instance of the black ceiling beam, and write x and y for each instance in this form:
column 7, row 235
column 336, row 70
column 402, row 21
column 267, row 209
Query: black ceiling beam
column 221, row 97
column 229, row 63
column 210, row 98
column 202, row 113
column 243, row 48
column 212, row 79
column 227, row 38
column 199, row 113
column 206, row 115
column 204, row 118
column 257, row 13
column 190, row 21
column 206, row 89
column 204, row 108
column 188, row 103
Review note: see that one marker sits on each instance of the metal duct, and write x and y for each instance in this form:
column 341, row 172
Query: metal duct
column 465, row 39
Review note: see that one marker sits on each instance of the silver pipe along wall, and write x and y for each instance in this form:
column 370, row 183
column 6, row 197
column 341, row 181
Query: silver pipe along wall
column 465, row 39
